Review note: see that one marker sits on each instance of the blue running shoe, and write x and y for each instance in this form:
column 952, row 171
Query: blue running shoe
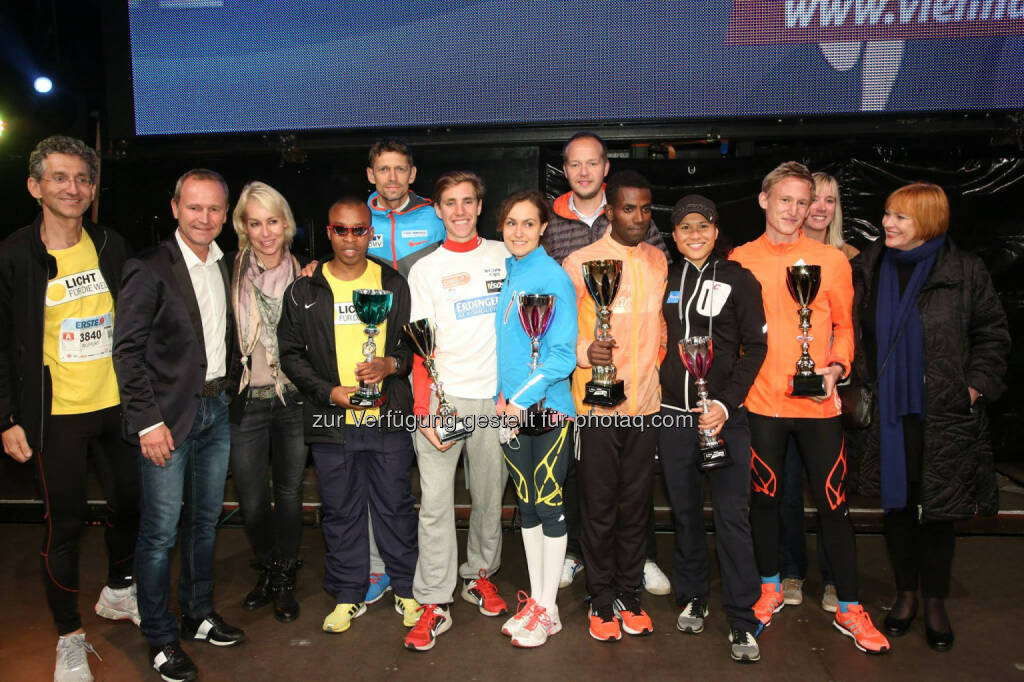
column 379, row 584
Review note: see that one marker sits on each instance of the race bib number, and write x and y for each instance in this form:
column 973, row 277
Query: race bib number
column 73, row 287
column 86, row 338
column 345, row 313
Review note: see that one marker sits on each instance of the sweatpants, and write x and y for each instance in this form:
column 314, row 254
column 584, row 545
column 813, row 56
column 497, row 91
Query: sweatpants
column 67, row 440
column 616, row 476
column 823, row 453
column 370, row 470
column 438, row 569
column 537, row 467
column 730, row 492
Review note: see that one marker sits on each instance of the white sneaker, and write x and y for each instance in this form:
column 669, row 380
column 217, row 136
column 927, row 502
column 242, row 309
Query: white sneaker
column 511, row 626
column 73, row 659
column 119, row 604
column 655, row 580
column 569, row 570
column 535, row 629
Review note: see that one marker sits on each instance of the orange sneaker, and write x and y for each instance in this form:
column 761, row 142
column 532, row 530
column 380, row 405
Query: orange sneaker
column 635, row 620
column 856, row 623
column 434, row 620
column 484, row 594
column 771, row 602
column 604, row 626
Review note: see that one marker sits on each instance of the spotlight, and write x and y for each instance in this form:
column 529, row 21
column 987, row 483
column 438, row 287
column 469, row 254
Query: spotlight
column 43, row 85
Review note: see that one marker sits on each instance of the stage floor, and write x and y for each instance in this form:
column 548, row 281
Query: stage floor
column 985, row 606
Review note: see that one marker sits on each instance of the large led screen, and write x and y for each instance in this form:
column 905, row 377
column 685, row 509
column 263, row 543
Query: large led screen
column 203, row 66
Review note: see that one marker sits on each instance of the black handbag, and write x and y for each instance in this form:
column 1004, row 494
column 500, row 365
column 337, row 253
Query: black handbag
column 857, row 398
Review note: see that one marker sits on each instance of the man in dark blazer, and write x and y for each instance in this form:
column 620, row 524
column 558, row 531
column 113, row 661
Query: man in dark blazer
column 171, row 340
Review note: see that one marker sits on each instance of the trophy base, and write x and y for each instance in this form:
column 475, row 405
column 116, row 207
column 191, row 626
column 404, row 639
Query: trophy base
column 366, row 400
column 451, row 430
column 808, row 386
column 604, row 396
column 714, row 457
column 539, row 420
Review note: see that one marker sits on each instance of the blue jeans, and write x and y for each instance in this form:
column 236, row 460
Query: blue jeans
column 195, row 475
column 270, row 439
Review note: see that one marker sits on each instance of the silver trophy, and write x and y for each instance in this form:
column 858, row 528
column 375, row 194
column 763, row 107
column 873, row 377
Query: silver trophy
column 697, row 353
column 449, row 427
column 536, row 311
column 372, row 307
column 602, row 278
column 803, row 282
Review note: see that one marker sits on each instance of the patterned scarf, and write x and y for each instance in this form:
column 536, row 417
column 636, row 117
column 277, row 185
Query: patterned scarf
column 256, row 294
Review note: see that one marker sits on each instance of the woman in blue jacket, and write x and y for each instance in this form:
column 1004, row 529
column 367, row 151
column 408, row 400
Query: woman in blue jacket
column 537, row 453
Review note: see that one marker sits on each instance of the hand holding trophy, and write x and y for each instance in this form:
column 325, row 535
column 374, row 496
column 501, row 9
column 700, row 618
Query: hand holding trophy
column 536, row 311
column 372, row 307
column 602, row 278
column 697, row 353
column 803, row 282
column 451, row 427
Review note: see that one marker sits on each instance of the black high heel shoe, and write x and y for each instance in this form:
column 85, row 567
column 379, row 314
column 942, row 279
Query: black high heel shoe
column 897, row 627
column 939, row 640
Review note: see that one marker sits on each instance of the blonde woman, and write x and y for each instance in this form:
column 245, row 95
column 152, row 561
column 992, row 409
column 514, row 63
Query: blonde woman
column 266, row 414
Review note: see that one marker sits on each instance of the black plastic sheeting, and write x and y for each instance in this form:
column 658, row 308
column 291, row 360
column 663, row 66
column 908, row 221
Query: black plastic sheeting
column 987, row 217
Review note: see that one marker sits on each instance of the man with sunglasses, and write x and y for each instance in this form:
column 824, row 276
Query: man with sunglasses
column 362, row 456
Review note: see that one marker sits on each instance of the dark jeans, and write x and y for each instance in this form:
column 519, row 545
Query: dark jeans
column 370, row 470
column 268, row 447
column 730, row 491
column 616, row 474
column 194, row 476
column 67, row 441
column 792, row 535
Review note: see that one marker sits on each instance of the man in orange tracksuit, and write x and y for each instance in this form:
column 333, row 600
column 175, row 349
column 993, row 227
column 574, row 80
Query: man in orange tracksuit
column 775, row 414
column 616, row 466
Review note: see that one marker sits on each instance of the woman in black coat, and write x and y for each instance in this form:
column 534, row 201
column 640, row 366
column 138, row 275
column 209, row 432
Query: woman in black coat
column 932, row 343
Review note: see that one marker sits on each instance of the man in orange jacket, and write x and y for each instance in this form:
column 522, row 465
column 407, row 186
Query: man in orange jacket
column 617, row 444
column 775, row 414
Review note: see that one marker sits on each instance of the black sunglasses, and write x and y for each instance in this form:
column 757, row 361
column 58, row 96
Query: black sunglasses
column 342, row 230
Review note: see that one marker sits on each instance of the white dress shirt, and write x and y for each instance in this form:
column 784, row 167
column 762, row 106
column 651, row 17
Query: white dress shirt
column 208, row 284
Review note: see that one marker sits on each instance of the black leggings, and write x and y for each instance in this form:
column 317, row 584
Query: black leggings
column 822, row 450
column 537, row 469
column 67, row 441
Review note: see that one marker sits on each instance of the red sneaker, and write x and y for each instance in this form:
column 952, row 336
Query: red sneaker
column 635, row 620
column 484, row 594
column 771, row 602
column 433, row 621
column 856, row 623
column 604, row 626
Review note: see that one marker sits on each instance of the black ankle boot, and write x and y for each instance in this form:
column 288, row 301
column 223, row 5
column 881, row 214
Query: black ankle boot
column 937, row 629
column 282, row 584
column 259, row 596
column 906, row 603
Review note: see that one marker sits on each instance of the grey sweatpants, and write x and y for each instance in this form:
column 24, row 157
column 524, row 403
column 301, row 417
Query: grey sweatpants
column 438, row 570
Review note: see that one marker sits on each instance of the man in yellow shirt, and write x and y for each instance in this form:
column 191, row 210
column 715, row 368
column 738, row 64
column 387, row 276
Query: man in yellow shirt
column 362, row 456
column 59, row 278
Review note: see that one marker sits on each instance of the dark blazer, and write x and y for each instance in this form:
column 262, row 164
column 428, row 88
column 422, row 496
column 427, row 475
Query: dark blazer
column 26, row 268
column 159, row 350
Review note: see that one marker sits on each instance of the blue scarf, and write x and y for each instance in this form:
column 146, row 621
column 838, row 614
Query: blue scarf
column 901, row 389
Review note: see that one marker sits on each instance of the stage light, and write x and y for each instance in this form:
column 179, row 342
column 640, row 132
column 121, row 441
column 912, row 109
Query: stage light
column 3, row 126
column 43, row 85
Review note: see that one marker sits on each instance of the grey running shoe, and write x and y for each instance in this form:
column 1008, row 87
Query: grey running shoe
column 829, row 600
column 73, row 659
column 793, row 591
column 743, row 647
column 691, row 620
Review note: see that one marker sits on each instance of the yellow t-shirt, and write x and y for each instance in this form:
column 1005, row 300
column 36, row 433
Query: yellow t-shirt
column 78, row 334
column 349, row 336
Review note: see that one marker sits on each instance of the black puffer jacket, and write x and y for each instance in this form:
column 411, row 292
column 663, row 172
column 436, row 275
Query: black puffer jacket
column 966, row 343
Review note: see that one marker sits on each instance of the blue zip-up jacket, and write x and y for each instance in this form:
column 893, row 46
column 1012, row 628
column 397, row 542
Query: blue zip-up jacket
column 396, row 234
column 537, row 273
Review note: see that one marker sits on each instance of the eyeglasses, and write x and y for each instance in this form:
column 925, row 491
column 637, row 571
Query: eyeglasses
column 343, row 230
